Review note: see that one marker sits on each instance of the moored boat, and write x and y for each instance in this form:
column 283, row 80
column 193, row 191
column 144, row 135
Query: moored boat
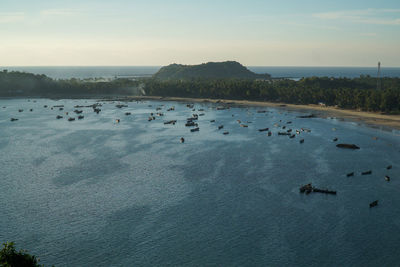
column 348, row 146
column 373, row 204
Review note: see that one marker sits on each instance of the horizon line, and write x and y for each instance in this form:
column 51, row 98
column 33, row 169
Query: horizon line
column 269, row 66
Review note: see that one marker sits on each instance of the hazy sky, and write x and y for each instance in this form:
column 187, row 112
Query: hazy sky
column 155, row 32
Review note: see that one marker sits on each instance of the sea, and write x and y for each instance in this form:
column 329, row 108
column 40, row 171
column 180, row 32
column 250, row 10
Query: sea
column 103, row 192
column 137, row 71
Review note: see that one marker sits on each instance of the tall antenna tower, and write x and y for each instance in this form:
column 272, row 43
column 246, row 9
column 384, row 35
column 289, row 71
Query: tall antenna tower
column 378, row 78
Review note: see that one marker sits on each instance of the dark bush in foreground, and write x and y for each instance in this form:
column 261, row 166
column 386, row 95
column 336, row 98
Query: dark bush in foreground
column 10, row 257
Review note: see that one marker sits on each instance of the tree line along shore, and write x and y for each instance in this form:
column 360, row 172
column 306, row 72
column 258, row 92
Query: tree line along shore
column 357, row 93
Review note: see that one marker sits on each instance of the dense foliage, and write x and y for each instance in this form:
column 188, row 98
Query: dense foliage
column 359, row 93
column 210, row 70
column 10, row 257
column 27, row 84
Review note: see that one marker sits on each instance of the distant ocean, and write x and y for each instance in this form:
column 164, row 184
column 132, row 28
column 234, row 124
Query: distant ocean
column 143, row 71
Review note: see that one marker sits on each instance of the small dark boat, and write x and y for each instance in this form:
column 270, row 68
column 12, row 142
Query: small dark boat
column 306, row 188
column 289, row 131
column 20, row 110
column 292, row 136
column 389, row 167
column 201, row 114
column 220, row 127
column 301, row 141
column 127, row 113
column 195, row 129
column 269, row 133
column 61, row 109
column 366, row 173
column 80, row 117
column 212, row 120
column 13, row 119
column 121, row 106
column 387, row 178
column 170, row 122
column 306, row 116
column 350, row 174
column 243, row 125
column 117, row 121
column 263, row 130
column 45, row 106
column 289, row 122
column 283, row 133
column 283, row 127
column 59, row 117
column 373, row 204
column 261, row 111
column 335, row 139
column 71, row 119
column 226, row 133
column 348, row 146
column 326, row 191
column 78, row 111
column 190, row 124
column 182, row 140
column 97, row 110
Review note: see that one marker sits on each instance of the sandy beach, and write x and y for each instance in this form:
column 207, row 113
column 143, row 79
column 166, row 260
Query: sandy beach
column 369, row 118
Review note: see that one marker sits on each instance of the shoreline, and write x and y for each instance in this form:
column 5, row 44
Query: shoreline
column 372, row 119
column 368, row 118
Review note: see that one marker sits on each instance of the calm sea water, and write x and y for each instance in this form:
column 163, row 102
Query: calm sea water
column 136, row 71
column 96, row 193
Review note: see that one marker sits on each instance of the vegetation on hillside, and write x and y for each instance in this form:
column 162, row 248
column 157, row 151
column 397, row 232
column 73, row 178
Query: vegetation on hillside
column 210, row 70
column 28, row 84
column 359, row 93
column 10, row 257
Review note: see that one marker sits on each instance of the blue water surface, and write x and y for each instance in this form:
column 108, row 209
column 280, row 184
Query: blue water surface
column 95, row 192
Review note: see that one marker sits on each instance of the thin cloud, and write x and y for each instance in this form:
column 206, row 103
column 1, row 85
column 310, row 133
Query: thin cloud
column 60, row 12
column 313, row 26
column 369, row 34
column 364, row 16
column 12, row 17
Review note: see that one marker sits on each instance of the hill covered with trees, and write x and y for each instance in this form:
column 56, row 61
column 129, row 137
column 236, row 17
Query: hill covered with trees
column 210, row 70
column 358, row 93
column 27, row 84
